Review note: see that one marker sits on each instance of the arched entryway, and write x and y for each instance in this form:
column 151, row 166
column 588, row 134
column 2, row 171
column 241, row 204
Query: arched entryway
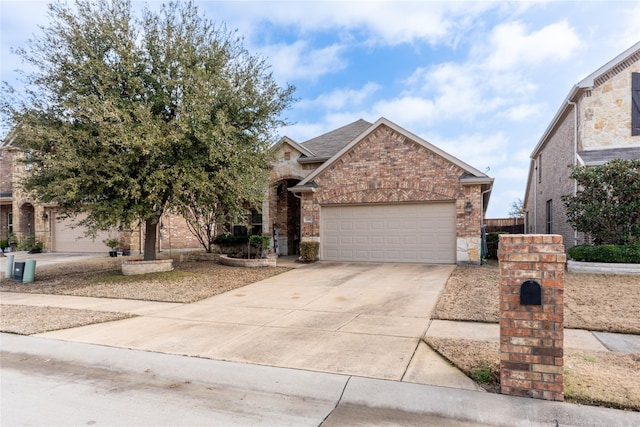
column 285, row 217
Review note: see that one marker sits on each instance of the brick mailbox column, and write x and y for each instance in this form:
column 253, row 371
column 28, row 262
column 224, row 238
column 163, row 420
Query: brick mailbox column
column 531, row 315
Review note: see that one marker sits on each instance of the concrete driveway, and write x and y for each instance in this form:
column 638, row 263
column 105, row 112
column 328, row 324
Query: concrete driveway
column 348, row 318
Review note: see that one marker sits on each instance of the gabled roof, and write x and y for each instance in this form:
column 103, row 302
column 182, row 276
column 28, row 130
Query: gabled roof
column 598, row 77
column 330, row 143
column 471, row 174
column 292, row 143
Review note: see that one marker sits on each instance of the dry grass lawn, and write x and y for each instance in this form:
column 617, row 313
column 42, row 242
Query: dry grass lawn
column 594, row 302
column 27, row 320
column 591, row 377
column 190, row 281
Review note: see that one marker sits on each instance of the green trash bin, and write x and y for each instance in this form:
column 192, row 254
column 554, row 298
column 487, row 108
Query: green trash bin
column 29, row 271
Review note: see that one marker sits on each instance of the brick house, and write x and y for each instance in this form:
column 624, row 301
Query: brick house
column 598, row 121
column 22, row 216
column 375, row 192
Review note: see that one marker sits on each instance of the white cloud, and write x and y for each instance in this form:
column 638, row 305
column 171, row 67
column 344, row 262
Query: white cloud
column 300, row 60
column 523, row 156
column 510, row 46
column 411, row 111
column 342, row 98
column 301, row 132
column 455, row 91
column 627, row 25
column 478, row 150
column 523, row 112
column 378, row 22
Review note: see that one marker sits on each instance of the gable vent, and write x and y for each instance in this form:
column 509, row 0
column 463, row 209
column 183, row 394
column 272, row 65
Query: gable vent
column 601, row 79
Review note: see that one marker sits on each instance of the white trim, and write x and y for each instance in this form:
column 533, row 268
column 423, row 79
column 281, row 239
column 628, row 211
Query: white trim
column 293, row 144
column 585, row 83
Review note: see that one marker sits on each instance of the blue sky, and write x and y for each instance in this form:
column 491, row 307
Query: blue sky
column 479, row 79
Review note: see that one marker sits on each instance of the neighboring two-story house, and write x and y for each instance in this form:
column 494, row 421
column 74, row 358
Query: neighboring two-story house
column 365, row 192
column 376, row 192
column 25, row 219
column 598, row 121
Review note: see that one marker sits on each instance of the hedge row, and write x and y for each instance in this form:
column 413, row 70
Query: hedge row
column 606, row 253
column 226, row 240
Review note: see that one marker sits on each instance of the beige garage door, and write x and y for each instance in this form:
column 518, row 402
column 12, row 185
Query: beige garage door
column 423, row 233
column 69, row 238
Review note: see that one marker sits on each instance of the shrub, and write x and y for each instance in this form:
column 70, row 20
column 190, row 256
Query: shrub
column 606, row 253
column 4, row 243
column 492, row 244
column 309, row 251
column 260, row 242
column 606, row 205
column 226, row 240
column 113, row 243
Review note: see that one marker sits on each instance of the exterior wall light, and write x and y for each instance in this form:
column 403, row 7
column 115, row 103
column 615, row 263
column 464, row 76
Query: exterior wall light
column 468, row 207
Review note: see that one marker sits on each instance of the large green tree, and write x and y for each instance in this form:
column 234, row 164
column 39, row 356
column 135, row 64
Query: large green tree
column 126, row 117
column 607, row 203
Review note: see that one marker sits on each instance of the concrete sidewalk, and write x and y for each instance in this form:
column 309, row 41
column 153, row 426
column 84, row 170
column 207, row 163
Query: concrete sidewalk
column 363, row 322
column 577, row 339
column 238, row 394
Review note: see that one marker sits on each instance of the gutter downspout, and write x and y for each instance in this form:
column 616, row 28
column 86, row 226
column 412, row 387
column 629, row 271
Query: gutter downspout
column 482, row 243
column 575, row 157
column 535, row 196
column 482, row 205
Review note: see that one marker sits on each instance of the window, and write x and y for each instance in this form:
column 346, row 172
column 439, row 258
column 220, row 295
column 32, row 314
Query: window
column 10, row 222
column 239, row 230
column 256, row 223
column 549, row 217
column 256, row 226
column 635, row 104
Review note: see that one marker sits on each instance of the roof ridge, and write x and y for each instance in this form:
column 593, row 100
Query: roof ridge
column 329, row 143
column 337, row 130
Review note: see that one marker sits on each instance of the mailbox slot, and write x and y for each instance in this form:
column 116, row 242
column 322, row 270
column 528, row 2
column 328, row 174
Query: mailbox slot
column 530, row 293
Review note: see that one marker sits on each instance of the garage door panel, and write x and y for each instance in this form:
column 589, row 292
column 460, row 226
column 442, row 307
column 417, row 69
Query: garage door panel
column 392, row 233
column 69, row 237
column 392, row 240
column 345, row 227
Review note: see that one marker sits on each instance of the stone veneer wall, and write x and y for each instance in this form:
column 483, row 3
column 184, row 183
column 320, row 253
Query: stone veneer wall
column 605, row 115
column 277, row 209
column 388, row 167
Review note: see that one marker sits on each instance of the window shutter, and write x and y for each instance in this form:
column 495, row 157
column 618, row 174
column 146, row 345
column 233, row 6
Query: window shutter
column 635, row 104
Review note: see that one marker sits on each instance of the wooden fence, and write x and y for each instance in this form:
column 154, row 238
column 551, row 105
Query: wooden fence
column 509, row 225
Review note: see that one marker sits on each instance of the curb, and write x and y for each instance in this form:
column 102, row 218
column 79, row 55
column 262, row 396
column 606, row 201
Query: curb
column 338, row 390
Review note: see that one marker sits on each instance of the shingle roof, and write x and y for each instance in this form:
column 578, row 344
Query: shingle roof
column 599, row 157
column 474, row 176
column 331, row 142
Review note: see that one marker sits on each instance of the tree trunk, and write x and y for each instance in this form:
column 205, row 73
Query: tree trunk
column 150, row 233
